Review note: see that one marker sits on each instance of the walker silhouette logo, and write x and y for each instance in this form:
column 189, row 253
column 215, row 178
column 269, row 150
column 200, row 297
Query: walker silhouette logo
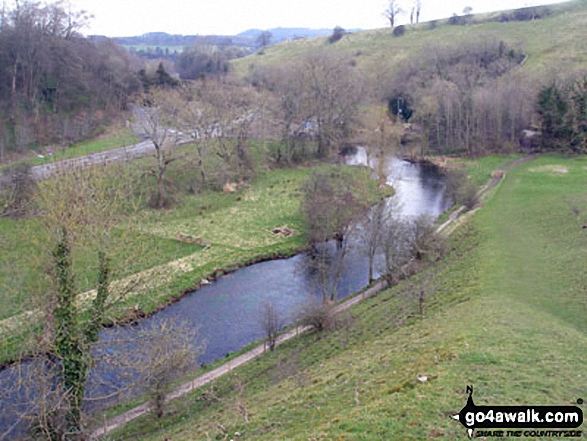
column 474, row 418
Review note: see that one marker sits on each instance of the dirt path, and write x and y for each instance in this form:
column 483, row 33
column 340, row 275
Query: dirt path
column 143, row 409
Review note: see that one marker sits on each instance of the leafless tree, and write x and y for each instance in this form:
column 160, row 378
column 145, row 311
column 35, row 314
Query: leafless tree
column 383, row 138
column 291, row 111
column 333, row 203
column 460, row 189
column 418, row 10
column 154, row 120
column 163, row 354
column 264, row 39
column 396, row 246
column 230, row 111
column 271, row 323
column 333, row 91
column 426, row 244
column 371, row 232
column 393, row 10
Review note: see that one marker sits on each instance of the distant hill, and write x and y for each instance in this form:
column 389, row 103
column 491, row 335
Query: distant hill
column 153, row 39
column 281, row 34
column 246, row 39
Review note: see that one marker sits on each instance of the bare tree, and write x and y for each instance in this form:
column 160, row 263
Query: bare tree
column 393, row 10
column 271, row 323
column 264, row 39
column 426, row 244
column 396, row 246
column 332, row 94
column 460, row 189
column 333, row 203
column 383, row 137
column 164, row 353
column 418, row 10
column 371, row 232
column 291, row 112
column 154, row 121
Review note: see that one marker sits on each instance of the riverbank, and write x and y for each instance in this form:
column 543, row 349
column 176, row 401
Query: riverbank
column 154, row 252
column 506, row 315
column 247, row 355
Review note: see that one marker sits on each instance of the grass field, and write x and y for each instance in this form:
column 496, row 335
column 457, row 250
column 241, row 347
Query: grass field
column 146, row 248
column 553, row 44
column 508, row 316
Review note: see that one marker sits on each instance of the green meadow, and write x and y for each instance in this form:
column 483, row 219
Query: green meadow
column 149, row 248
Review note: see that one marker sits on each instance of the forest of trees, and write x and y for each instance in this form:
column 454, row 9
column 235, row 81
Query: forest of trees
column 55, row 85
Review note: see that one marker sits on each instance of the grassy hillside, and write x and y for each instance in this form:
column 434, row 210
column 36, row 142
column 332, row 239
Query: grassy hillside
column 553, row 43
column 508, row 315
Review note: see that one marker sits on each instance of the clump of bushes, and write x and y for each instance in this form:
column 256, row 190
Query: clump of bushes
column 337, row 34
column 17, row 190
column 460, row 189
column 526, row 14
column 399, row 31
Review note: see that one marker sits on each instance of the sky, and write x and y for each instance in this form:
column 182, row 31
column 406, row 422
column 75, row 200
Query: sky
column 122, row 18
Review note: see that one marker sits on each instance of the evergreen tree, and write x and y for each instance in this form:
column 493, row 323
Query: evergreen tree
column 552, row 108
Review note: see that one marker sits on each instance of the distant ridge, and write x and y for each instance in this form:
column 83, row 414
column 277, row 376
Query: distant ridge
column 247, row 38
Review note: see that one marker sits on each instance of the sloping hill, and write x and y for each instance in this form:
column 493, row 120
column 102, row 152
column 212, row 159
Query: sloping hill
column 553, row 43
column 507, row 314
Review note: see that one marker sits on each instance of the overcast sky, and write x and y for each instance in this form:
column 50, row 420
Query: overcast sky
column 228, row 17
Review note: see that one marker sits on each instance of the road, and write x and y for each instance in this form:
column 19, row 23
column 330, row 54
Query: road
column 126, row 153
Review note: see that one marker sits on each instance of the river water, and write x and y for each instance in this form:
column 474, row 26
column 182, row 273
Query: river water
column 226, row 312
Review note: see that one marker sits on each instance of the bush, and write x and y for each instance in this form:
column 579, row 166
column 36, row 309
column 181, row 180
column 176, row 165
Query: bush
column 399, row 31
column 426, row 244
column 337, row 34
column 316, row 314
column 460, row 189
column 17, row 189
column 526, row 14
column 455, row 20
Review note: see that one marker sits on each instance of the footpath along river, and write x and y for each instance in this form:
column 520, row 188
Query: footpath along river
column 227, row 311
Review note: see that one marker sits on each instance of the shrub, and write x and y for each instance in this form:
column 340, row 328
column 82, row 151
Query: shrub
column 455, row 20
column 337, row 34
column 399, row 31
column 316, row 314
column 460, row 189
column 17, row 188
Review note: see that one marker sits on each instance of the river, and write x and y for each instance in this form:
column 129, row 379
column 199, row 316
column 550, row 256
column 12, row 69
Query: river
column 226, row 312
